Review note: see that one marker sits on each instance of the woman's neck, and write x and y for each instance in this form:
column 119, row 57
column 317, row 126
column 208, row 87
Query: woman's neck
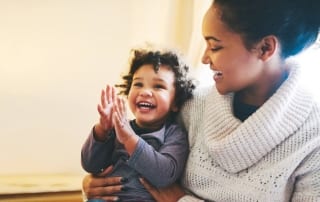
column 263, row 89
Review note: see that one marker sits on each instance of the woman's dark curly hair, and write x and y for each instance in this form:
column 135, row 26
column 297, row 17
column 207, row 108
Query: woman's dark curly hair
column 183, row 84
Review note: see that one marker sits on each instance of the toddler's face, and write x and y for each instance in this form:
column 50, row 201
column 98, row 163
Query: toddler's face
column 152, row 95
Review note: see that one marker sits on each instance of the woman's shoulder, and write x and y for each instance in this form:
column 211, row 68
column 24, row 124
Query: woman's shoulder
column 196, row 105
column 201, row 93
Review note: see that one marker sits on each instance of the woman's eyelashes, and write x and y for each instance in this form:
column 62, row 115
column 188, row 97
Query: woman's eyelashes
column 215, row 49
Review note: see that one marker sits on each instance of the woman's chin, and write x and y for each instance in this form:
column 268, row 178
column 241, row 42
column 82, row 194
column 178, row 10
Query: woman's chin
column 222, row 91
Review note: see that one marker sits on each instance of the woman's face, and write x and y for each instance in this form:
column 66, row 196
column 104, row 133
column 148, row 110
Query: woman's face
column 235, row 68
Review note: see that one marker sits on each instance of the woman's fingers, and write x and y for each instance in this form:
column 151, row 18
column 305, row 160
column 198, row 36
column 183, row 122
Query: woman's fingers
column 171, row 193
column 153, row 191
column 103, row 192
column 106, row 171
column 102, row 186
column 110, row 198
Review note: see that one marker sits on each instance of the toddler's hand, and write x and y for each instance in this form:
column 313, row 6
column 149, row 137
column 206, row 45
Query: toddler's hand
column 124, row 132
column 105, row 109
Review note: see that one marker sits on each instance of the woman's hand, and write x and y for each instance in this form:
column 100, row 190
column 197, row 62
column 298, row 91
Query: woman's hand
column 101, row 186
column 171, row 193
column 105, row 109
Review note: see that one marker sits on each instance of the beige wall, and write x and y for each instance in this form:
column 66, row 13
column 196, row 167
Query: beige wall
column 55, row 56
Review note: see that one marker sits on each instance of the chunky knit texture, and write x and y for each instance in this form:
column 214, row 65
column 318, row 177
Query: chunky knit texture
column 274, row 155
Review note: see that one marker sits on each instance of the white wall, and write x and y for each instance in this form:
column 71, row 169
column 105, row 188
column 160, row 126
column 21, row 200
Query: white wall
column 55, row 56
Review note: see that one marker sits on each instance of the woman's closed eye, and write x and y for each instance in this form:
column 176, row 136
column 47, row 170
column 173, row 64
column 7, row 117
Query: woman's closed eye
column 215, row 49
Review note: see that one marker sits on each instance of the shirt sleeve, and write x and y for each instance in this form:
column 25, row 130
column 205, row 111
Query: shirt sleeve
column 165, row 166
column 96, row 155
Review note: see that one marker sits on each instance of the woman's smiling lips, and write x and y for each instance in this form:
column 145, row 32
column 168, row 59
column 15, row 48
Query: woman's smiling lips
column 217, row 75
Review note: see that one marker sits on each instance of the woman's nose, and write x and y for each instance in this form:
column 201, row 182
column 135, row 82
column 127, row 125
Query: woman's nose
column 205, row 59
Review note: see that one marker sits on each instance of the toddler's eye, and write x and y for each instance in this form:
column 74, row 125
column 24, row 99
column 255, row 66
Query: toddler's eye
column 159, row 87
column 137, row 84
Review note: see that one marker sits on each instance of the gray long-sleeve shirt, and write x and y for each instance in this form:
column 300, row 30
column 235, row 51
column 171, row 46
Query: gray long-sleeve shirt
column 159, row 157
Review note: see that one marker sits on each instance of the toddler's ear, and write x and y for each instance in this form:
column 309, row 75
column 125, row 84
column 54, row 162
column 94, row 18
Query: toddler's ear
column 174, row 108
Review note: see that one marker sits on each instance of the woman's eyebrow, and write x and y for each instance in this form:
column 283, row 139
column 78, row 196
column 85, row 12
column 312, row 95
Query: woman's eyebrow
column 209, row 38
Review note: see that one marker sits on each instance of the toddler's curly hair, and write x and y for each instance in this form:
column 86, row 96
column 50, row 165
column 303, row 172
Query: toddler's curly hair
column 183, row 84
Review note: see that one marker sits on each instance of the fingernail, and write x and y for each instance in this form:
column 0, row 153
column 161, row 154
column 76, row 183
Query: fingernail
column 117, row 199
column 124, row 188
column 124, row 180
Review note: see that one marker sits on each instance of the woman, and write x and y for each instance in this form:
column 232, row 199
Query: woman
column 255, row 135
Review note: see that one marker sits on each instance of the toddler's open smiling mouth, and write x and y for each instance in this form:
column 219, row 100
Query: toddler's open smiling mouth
column 145, row 105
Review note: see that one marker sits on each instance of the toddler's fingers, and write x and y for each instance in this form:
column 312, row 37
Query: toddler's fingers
column 121, row 106
column 100, row 110
column 117, row 119
column 107, row 94
column 113, row 94
column 124, row 107
column 103, row 99
column 105, row 111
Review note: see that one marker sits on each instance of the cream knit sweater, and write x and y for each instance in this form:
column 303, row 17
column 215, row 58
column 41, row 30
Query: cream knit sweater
column 274, row 155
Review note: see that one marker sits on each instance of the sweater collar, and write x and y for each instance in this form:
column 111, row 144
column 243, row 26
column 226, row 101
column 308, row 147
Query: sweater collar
column 238, row 145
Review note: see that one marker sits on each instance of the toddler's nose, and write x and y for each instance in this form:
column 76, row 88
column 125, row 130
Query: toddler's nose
column 146, row 92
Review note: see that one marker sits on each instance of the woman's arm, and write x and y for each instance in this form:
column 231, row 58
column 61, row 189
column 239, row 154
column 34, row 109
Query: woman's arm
column 101, row 186
column 307, row 184
column 172, row 193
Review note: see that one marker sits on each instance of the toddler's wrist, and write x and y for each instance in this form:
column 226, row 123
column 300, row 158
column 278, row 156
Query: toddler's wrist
column 99, row 133
column 130, row 143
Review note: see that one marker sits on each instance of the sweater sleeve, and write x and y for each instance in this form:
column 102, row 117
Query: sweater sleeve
column 307, row 186
column 96, row 155
column 165, row 166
